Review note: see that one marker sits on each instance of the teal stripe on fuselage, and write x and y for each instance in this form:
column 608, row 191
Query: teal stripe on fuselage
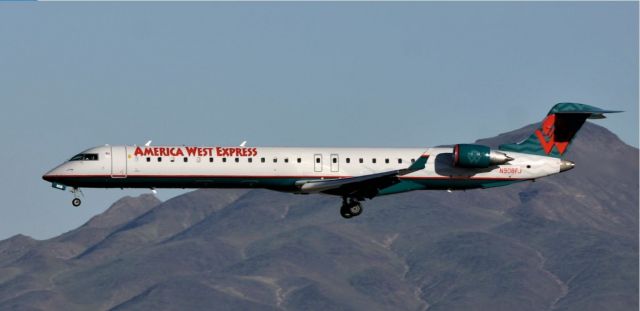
column 445, row 184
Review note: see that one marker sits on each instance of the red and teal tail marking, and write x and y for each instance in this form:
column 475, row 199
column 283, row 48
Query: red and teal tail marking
column 555, row 133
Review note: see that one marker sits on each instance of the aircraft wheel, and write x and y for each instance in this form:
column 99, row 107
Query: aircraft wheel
column 355, row 209
column 344, row 212
column 76, row 202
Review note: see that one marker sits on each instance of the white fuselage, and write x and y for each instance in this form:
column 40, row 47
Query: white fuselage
column 280, row 168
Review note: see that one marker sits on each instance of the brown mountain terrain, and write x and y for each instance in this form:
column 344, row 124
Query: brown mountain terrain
column 566, row 242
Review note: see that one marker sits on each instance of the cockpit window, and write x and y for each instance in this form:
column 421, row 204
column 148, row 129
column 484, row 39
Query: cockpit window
column 85, row 157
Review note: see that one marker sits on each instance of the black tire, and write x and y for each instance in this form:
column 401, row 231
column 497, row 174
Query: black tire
column 76, row 202
column 344, row 212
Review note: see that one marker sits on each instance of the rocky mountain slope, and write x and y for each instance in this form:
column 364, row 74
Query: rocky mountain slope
column 566, row 242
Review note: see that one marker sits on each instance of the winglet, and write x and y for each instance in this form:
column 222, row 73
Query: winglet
column 419, row 164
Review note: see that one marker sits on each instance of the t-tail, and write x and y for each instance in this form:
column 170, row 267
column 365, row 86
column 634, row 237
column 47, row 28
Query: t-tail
column 554, row 135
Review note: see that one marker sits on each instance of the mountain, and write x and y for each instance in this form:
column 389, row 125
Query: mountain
column 565, row 242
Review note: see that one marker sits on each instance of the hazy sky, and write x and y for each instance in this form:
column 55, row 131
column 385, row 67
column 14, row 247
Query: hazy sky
column 76, row 75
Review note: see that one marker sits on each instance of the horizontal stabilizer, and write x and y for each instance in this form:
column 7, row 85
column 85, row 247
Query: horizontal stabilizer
column 594, row 112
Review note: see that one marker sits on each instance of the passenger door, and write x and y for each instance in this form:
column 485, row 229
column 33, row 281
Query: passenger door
column 118, row 162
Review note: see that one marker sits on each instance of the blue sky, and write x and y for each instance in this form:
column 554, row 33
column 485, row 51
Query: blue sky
column 76, row 75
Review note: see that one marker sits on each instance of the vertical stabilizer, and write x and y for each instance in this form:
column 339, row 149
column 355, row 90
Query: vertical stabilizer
column 554, row 135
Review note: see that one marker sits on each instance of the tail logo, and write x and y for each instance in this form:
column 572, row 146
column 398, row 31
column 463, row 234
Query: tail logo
column 546, row 136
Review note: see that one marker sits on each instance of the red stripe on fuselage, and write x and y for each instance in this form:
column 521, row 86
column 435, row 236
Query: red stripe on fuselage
column 191, row 176
column 271, row 177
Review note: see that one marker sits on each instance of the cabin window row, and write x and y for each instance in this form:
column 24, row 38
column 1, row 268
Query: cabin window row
column 361, row 160
column 275, row 160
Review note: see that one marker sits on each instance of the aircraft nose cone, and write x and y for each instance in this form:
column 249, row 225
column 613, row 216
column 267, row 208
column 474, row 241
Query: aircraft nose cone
column 50, row 175
column 566, row 165
column 47, row 177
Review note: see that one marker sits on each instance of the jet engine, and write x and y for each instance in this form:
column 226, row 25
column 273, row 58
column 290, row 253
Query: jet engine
column 477, row 156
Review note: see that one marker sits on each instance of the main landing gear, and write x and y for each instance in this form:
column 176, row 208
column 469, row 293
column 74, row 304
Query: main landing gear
column 350, row 208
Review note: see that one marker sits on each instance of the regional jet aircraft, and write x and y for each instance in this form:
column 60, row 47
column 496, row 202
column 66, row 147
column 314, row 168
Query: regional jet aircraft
column 355, row 174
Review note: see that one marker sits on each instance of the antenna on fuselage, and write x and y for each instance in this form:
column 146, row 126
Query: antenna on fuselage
column 148, row 144
column 243, row 143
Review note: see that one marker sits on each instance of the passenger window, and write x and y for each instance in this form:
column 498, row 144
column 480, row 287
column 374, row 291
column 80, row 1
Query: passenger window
column 159, row 159
column 224, row 160
column 386, row 160
column 286, row 160
column 335, row 160
column 210, row 159
column 317, row 160
column 361, row 160
column 413, row 160
column 262, row 160
column 275, row 160
column 373, row 160
column 185, row 159
column 250, row 160
column 348, row 160
column 148, row 159
column 299, row 160
column 399, row 161
column 237, row 160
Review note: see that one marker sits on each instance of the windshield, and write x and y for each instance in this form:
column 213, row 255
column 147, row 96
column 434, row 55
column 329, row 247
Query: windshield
column 85, row 157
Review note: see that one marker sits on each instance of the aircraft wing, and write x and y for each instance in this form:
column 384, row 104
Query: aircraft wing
column 365, row 186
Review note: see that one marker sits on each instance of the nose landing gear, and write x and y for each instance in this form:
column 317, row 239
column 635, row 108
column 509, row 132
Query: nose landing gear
column 76, row 193
column 350, row 208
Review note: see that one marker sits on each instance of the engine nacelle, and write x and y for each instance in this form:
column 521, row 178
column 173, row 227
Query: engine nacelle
column 477, row 156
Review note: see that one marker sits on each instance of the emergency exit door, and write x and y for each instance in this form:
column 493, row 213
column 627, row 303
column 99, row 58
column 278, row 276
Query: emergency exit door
column 317, row 162
column 118, row 162
column 334, row 163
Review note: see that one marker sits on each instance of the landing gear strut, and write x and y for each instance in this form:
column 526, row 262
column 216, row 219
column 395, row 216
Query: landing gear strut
column 350, row 208
column 76, row 201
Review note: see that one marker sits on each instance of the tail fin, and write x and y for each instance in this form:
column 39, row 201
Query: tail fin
column 554, row 134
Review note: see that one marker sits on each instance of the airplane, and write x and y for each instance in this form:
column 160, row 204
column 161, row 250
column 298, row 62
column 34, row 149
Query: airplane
column 355, row 174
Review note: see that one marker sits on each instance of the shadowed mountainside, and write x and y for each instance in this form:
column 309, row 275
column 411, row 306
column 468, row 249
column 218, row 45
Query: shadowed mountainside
column 565, row 242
